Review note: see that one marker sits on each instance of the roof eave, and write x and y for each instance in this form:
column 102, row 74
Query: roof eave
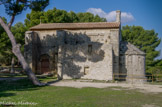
column 33, row 29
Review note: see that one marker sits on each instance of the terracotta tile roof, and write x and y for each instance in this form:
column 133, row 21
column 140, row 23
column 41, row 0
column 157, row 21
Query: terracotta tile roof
column 96, row 25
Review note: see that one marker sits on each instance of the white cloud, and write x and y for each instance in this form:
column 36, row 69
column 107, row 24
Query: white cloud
column 111, row 16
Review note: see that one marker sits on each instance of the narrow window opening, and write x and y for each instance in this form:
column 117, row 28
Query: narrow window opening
column 56, row 57
column 89, row 49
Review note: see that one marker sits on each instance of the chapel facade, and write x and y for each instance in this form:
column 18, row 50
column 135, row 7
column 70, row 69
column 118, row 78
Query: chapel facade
column 83, row 50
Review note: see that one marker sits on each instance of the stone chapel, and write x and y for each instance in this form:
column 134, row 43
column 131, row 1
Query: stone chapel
column 83, row 50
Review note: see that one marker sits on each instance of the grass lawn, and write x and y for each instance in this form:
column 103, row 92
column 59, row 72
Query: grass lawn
column 51, row 96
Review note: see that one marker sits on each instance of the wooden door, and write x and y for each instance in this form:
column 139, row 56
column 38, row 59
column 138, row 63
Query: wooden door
column 45, row 66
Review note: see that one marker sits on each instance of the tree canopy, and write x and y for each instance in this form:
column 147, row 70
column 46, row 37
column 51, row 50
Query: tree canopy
column 15, row 7
column 60, row 16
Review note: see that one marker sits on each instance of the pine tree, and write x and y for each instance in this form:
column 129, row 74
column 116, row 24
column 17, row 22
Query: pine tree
column 13, row 8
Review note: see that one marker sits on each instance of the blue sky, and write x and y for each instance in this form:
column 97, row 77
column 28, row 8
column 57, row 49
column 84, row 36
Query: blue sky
column 146, row 13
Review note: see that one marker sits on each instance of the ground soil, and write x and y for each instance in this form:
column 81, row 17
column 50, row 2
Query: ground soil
column 146, row 88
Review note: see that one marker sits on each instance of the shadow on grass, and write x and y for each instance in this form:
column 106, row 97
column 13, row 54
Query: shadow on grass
column 12, row 75
column 18, row 85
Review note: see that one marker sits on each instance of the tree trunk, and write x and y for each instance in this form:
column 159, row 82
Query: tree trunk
column 18, row 54
column 12, row 66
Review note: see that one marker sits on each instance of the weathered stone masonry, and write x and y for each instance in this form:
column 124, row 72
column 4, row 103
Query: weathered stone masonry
column 82, row 50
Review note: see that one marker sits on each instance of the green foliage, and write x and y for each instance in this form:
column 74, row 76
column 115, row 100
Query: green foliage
column 19, row 30
column 15, row 7
column 60, row 16
column 157, row 68
column 38, row 5
column 146, row 40
column 89, row 17
column 5, row 45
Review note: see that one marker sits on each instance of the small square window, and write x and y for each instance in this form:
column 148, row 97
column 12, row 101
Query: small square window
column 86, row 70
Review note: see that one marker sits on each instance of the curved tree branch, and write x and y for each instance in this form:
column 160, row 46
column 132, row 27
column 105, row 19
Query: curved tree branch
column 11, row 21
column 13, row 17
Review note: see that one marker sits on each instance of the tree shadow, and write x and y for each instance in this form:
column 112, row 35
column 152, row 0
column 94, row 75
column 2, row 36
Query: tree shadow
column 122, row 63
column 72, row 50
column 18, row 85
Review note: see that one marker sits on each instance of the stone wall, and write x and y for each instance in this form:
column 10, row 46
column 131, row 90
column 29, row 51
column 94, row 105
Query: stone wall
column 75, row 61
column 81, row 53
column 28, row 47
column 115, row 41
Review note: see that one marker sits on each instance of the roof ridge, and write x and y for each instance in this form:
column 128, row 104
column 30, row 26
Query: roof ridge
column 130, row 48
column 79, row 23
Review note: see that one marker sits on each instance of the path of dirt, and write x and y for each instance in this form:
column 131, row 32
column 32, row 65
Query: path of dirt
column 142, row 87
